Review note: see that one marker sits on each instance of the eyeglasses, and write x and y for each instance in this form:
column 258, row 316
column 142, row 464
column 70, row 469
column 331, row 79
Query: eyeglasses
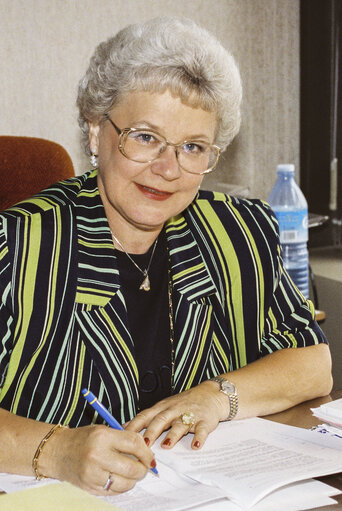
column 146, row 145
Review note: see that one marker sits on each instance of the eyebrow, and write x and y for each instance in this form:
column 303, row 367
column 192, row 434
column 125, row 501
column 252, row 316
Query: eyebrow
column 149, row 125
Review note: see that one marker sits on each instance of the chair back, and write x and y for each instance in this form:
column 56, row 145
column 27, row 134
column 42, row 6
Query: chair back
column 28, row 165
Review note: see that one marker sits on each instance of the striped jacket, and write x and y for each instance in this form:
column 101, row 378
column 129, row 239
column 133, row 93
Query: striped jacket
column 63, row 319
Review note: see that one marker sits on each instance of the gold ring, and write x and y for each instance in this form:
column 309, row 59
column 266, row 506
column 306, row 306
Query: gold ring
column 188, row 419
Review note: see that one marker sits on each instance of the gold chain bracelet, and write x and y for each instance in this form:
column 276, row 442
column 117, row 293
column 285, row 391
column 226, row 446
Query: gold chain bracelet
column 41, row 447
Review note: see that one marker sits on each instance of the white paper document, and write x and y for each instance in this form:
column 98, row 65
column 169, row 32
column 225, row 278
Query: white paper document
column 169, row 493
column 328, row 429
column 330, row 412
column 248, row 459
column 297, row 496
column 11, row 483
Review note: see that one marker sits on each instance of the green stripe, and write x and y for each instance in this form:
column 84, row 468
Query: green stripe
column 78, row 385
column 190, row 271
column 34, row 243
column 95, row 244
column 122, row 343
column 239, row 341
column 3, row 252
column 200, row 351
column 30, row 248
column 221, row 352
column 93, row 299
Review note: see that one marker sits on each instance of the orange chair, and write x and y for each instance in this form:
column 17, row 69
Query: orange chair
column 28, row 165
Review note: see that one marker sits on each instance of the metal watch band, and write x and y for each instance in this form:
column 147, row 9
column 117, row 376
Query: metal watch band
column 229, row 389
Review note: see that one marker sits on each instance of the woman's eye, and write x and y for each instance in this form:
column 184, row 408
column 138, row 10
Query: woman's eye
column 193, row 148
column 143, row 138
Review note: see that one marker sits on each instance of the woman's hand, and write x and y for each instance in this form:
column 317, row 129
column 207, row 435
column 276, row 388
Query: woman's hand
column 208, row 405
column 88, row 456
column 269, row 385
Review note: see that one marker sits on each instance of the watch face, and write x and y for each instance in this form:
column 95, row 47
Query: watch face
column 228, row 387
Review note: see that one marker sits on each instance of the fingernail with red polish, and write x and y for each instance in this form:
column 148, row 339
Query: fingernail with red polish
column 167, row 442
column 147, row 440
column 153, row 463
column 197, row 444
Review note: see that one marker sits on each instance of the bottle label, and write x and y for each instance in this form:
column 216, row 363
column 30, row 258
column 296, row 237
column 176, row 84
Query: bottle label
column 293, row 226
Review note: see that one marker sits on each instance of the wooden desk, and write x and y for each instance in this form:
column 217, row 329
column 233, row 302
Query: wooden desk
column 302, row 417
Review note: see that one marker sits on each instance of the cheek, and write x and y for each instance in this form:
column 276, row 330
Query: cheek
column 192, row 184
column 189, row 192
column 107, row 155
column 116, row 169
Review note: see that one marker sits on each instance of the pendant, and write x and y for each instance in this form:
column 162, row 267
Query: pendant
column 145, row 286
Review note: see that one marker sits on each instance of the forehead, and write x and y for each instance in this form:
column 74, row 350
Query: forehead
column 164, row 112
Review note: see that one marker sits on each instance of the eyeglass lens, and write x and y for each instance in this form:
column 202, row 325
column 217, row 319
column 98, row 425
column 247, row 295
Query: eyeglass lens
column 144, row 146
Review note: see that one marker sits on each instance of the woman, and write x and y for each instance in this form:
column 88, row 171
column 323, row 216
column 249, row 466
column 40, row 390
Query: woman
column 129, row 281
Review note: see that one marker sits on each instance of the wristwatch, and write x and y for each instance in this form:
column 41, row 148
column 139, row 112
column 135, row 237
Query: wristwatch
column 229, row 389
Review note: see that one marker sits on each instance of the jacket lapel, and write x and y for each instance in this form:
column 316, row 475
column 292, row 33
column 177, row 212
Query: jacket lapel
column 194, row 293
column 98, row 276
column 100, row 307
column 190, row 276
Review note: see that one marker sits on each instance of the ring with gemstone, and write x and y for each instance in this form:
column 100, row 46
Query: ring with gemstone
column 188, row 419
column 108, row 483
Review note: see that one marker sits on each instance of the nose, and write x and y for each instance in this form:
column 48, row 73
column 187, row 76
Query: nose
column 166, row 165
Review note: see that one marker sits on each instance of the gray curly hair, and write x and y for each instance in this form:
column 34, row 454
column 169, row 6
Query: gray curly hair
column 163, row 53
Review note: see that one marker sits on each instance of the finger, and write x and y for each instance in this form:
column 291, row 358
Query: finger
column 110, row 483
column 201, row 434
column 154, row 420
column 103, row 445
column 144, row 418
column 129, row 467
column 129, row 442
column 108, row 443
column 114, row 464
column 119, row 485
column 177, row 431
column 141, row 420
column 159, row 424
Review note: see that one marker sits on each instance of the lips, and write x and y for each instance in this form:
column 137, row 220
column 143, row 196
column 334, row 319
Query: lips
column 153, row 193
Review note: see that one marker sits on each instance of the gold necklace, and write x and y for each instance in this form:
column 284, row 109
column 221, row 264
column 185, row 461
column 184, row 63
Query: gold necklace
column 172, row 333
column 145, row 285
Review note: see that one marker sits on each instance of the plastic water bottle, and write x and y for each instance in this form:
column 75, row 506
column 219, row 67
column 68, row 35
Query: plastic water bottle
column 291, row 209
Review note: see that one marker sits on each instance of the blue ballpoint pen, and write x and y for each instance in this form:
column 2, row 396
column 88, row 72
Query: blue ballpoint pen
column 104, row 413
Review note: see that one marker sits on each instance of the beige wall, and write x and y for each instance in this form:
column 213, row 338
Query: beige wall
column 45, row 46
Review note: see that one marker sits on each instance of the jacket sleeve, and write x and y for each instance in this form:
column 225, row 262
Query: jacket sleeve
column 289, row 319
column 6, row 315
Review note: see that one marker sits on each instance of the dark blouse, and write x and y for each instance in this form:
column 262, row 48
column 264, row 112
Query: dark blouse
column 148, row 317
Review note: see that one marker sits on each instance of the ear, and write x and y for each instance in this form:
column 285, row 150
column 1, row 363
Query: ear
column 94, row 130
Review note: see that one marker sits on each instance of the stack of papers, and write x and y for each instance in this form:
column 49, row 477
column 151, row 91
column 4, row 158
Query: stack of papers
column 250, row 464
column 330, row 412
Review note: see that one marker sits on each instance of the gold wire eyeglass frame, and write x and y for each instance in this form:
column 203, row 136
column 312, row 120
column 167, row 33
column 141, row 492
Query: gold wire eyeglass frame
column 123, row 134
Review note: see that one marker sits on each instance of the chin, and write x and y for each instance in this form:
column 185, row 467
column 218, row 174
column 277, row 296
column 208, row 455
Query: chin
column 148, row 224
column 151, row 219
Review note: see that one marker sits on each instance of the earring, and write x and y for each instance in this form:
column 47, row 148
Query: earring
column 93, row 160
